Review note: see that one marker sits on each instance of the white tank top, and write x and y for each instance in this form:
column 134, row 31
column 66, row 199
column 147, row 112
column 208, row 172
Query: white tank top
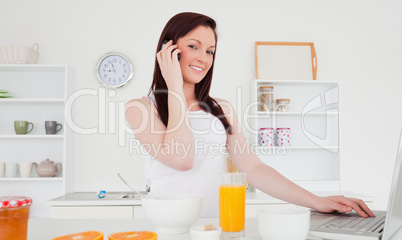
column 209, row 160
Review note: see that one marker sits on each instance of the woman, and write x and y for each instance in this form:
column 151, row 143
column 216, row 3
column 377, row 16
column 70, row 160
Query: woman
column 184, row 130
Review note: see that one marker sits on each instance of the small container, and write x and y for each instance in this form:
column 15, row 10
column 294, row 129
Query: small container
column 198, row 233
column 266, row 137
column 101, row 193
column 283, row 137
column 283, row 223
column 14, row 215
column 282, row 105
column 267, row 98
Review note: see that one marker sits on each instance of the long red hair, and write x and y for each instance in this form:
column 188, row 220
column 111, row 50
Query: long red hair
column 177, row 27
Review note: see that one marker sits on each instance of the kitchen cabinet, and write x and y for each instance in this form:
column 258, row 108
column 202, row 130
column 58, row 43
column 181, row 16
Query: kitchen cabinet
column 96, row 212
column 93, row 212
column 127, row 212
column 39, row 94
column 135, row 212
column 313, row 158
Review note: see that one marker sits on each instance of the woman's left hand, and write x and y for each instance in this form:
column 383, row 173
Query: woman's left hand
column 343, row 204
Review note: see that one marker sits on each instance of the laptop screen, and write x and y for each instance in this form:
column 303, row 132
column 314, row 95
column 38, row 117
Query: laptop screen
column 394, row 211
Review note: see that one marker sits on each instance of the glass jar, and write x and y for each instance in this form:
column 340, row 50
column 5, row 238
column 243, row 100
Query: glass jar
column 282, row 105
column 14, row 215
column 266, row 98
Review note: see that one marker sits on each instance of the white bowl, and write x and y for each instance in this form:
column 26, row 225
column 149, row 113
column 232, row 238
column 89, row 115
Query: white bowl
column 172, row 214
column 198, row 233
column 283, row 223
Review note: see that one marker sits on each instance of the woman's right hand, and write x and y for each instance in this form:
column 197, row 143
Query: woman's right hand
column 170, row 66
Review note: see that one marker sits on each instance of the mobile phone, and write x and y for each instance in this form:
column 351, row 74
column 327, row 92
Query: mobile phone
column 163, row 43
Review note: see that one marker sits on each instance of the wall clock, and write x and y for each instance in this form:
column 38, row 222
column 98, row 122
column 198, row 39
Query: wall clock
column 114, row 70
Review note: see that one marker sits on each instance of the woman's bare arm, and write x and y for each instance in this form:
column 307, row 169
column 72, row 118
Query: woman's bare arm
column 275, row 184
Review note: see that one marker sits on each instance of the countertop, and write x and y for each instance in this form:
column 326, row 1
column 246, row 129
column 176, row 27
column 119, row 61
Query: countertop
column 45, row 228
column 117, row 199
column 39, row 229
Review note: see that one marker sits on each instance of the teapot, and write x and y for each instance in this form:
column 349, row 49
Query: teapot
column 47, row 168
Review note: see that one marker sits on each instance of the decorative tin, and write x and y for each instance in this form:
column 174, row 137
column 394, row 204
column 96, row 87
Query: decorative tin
column 266, row 137
column 283, row 137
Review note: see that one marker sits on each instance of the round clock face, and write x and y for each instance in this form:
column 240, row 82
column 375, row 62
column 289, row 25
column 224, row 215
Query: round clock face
column 114, row 70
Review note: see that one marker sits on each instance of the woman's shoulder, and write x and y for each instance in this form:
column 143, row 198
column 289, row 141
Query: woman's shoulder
column 147, row 100
column 138, row 101
column 141, row 106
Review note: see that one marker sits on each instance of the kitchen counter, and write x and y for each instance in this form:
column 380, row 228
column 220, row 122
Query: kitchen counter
column 116, row 206
column 39, row 229
column 91, row 199
column 117, row 199
column 45, row 228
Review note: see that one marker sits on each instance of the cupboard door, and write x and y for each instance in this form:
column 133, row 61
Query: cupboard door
column 94, row 212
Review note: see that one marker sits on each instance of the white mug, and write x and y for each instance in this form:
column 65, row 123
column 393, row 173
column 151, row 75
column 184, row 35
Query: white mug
column 26, row 169
column 2, row 169
column 11, row 169
column 283, row 223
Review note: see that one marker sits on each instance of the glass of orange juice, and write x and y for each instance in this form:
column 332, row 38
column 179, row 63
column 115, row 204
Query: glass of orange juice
column 232, row 201
column 14, row 215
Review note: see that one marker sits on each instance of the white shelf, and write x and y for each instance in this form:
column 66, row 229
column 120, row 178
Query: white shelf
column 313, row 160
column 39, row 94
column 31, row 179
column 299, row 148
column 31, row 136
column 31, row 100
column 297, row 82
column 329, row 113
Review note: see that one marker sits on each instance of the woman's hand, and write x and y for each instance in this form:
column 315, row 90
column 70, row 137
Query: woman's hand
column 343, row 204
column 170, row 66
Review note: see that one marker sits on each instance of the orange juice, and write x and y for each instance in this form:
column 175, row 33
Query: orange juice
column 232, row 201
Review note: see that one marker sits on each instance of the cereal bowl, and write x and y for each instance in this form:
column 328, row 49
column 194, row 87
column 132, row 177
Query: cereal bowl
column 174, row 213
column 274, row 223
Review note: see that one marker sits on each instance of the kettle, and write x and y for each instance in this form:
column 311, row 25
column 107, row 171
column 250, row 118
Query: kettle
column 47, row 168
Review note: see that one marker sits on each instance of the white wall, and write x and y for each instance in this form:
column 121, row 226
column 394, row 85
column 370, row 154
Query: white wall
column 358, row 43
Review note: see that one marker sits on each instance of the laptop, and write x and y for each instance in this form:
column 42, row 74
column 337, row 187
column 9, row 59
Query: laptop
column 349, row 226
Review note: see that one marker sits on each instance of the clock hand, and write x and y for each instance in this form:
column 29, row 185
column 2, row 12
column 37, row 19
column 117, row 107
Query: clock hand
column 113, row 68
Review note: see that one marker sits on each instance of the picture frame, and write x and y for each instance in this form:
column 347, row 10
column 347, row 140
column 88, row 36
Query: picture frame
column 285, row 61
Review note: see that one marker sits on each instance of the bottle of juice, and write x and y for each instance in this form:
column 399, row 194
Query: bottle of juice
column 14, row 215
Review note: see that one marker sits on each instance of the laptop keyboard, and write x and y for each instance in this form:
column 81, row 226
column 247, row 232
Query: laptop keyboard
column 356, row 223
